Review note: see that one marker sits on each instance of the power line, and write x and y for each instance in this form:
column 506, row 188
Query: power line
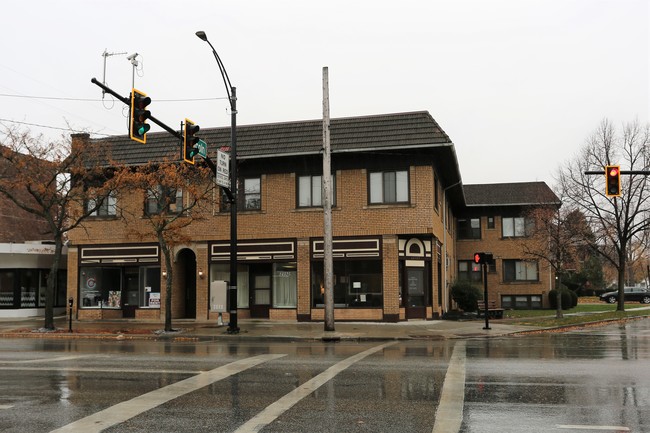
column 51, row 127
column 52, row 98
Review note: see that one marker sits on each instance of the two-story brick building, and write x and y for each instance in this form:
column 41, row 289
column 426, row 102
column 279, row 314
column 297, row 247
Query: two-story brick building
column 397, row 191
column 496, row 218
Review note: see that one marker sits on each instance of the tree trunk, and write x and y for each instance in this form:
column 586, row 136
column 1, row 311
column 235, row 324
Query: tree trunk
column 168, row 283
column 51, row 284
column 621, row 286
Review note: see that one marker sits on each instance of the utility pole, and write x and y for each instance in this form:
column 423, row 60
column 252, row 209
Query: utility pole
column 327, row 209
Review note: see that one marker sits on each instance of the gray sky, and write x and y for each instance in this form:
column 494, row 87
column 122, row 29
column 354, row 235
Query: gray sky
column 517, row 84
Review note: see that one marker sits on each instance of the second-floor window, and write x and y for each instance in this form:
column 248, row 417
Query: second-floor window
column 514, row 227
column 310, row 191
column 520, row 270
column 252, row 194
column 469, row 228
column 389, row 187
column 102, row 207
column 164, row 200
column 249, row 195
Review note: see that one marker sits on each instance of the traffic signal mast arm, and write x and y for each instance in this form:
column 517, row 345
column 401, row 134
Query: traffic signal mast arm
column 176, row 134
column 644, row 172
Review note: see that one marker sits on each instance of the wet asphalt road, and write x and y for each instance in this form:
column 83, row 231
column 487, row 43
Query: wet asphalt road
column 592, row 380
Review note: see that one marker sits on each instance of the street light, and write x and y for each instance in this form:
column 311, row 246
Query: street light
column 232, row 97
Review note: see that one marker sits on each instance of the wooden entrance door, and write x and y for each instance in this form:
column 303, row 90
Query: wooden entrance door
column 260, row 295
column 416, row 285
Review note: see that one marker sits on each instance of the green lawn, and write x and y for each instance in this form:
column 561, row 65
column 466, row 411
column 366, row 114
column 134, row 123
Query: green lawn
column 587, row 313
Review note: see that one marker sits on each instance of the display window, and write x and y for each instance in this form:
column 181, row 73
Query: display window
column 357, row 283
column 116, row 287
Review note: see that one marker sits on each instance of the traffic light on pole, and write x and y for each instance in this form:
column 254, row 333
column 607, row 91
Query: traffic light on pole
column 138, row 126
column 612, row 181
column 483, row 258
column 189, row 141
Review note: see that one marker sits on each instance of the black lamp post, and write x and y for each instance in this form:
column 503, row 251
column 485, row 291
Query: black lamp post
column 232, row 97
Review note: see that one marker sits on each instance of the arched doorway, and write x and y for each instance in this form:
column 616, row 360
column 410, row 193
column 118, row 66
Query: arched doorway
column 186, row 268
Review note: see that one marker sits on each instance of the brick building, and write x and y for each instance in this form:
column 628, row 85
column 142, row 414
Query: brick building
column 26, row 255
column 397, row 192
column 496, row 219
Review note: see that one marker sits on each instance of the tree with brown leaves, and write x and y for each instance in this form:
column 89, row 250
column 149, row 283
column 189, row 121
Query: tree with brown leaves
column 43, row 178
column 176, row 195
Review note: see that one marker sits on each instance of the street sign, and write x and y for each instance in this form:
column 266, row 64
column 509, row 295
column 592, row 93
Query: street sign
column 202, row 148
column 223, row 169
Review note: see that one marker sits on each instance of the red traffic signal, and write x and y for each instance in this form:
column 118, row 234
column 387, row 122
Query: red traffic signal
column 483, row 258
column 612, row 181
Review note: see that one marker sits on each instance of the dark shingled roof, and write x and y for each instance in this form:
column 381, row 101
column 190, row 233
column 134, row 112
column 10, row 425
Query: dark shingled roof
column 352, row 134
column 417, row 131
column 510, row 194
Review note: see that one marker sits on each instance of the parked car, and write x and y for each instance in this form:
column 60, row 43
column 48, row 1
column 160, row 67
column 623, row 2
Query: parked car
column 634, row 294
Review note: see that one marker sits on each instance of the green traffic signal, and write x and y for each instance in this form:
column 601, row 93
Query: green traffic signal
column 139, row 114
column 189, row 141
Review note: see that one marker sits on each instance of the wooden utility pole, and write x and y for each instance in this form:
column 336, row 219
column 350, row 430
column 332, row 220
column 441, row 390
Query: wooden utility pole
column 327, row 209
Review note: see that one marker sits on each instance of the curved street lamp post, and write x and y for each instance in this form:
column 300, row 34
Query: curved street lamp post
column 232, row 97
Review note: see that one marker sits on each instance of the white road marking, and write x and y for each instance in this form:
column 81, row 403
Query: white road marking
column 128, row 409
column 594, row 427
column 34, row 361
column 273, row 411
column 6, row 406
column 449, row 415
column 101, row 370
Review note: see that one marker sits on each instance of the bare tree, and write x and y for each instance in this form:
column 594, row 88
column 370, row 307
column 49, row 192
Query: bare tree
column 176, row 195
column 616, row 222
column 556, row 237
column 43, row 178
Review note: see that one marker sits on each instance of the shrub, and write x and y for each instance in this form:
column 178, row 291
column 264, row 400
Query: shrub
column 569, row 299
column 466, row 295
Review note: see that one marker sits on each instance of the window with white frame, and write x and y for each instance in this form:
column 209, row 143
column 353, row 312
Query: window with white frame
column 252, row 194
column 310, row 191
column 104, row 206
column 389, row 187
column 520, row 270
column 515, row 227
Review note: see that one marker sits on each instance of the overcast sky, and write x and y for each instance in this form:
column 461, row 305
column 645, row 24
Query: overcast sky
column 518, row 85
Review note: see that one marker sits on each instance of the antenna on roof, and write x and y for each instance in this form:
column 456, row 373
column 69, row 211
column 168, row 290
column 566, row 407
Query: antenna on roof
column 106, row 54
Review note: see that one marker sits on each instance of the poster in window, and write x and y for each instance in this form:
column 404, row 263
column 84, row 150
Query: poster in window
column 114, row 298
column 154, row 299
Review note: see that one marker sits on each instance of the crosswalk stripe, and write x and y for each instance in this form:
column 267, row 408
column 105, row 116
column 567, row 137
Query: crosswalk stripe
column 128, row 409
column 276, row 409
column 449, row 415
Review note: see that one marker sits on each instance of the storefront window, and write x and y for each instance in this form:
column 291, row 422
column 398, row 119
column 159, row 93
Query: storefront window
column 284, row 285
column 150, row 287
column 28, row 288
column 7, row 281
column 101, row 287
column 357, row 283
column 221, row 272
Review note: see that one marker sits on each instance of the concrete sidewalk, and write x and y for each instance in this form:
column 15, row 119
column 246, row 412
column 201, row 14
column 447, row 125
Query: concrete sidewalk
column 260, row 329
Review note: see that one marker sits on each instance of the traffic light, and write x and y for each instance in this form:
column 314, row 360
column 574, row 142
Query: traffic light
column 483, row 258
column 189, row 140
column 138, row 126
column 612, row 181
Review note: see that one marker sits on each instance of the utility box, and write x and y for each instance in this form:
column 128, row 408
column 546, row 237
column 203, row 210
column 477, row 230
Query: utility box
column 219, row 296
